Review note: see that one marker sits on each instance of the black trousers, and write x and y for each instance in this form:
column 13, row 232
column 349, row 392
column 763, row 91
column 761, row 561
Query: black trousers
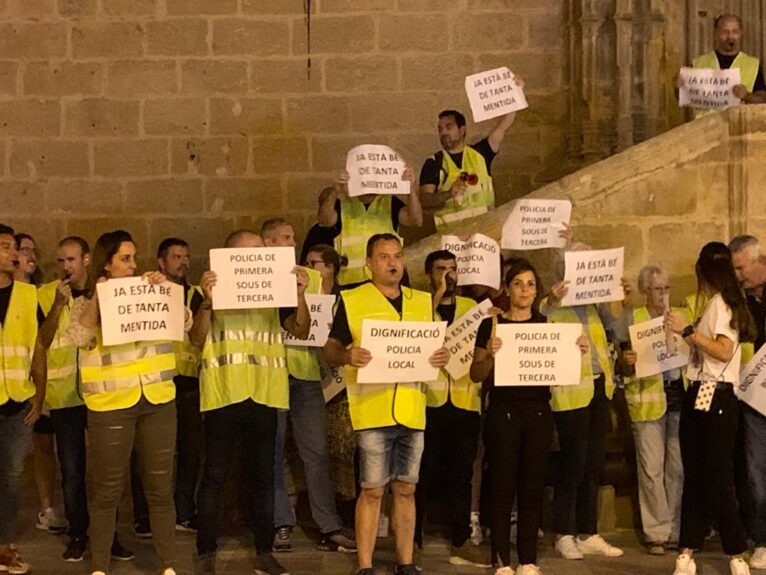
column 69, row 425
column 446, row 470
column 517, row 438
column 582, row 438
column 708, row 443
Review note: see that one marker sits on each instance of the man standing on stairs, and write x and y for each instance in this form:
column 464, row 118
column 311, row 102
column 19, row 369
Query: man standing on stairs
column 727, row 53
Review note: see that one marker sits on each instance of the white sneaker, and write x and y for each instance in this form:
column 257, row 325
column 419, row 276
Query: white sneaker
column 685, row 565
column 169, row 571
column 595, row 545
column 739, row 566
column 528, row 569
column 98, row 573
column 758, row 560
column 567, row 547
column 504, row 571
column 51, row 520
column 476, row 536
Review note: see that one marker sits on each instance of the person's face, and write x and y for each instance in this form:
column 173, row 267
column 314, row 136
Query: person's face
column 522, row 290
column 749, row 270
column 27, row 259
column 72, row 264
column 175, row 264
column 657, row 288
column 450, row 135
column 247, row 240
column 728, row 37
column 9, row 255
column 282, row 236
column 446, row 269
column 123, row 263
column 315, row 262
column 387, row 263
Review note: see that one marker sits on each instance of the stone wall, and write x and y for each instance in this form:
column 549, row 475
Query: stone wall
column 194, row 117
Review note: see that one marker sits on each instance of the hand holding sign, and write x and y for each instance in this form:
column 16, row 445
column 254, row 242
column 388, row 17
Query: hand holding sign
column 494, row 93
column 376, row 169
column 594, row 276
column 478, row 259
column 708, row 88
column 535, row 224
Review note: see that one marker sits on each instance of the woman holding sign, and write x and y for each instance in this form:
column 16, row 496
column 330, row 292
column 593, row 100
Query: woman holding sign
column 518, row 430
column 130, row 396
column 710, row 411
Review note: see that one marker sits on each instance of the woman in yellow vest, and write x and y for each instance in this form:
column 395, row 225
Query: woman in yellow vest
column 518, row 430
column 130, row 396
column 710, row 411
column 654, row 404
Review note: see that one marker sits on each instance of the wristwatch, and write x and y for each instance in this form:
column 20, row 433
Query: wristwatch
column 688, row 330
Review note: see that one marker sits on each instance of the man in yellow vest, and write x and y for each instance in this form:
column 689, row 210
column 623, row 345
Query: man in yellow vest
column 21, row 401
column 354, row 220
column 750, row 267
column 173, row 260
column 243, row 382
column 64, row 397
column 581, row 413
column 307, row 415
column 388, row 419
column 654, row 405
column 452, row 425
column 727, row 53
column 456, row 182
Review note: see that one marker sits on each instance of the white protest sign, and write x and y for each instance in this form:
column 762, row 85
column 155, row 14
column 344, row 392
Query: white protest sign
column 648, row 339
column 594, row 276
column 133, row 310
column 535, row 224
column 400, row 350
column 461, row 339
column 752, row 382
column 538, row 354
column 320, row 310
column 375, row 169
column 333, row 382
column 709, row 89
column 254, row 278
column 478, row 260
column 494, row 93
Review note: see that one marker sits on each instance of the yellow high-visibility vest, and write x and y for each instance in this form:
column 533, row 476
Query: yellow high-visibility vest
column 302, row 362
column 244, row 358
column 478, row 199
column 462, row 393
column 61, row 390
column 187, row 354
column 18, row 334
column 384, row 405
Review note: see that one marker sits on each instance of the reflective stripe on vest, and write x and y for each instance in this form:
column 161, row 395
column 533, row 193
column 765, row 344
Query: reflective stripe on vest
column 187, row 355
column 748, row 68
column 358, row 224
column 463, row 393
column 244, row 358
column 17, row 343
column 477, row 199
column 646, row 396
column 384, row 405
column 302, row 362
column 115, row 377
column 569, row 397
column 61, row 387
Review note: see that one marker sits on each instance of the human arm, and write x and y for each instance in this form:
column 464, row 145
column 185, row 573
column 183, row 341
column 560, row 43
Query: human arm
column 496, row 136
column 327, row 216
column 336, row 354
column 203, row 316
column 51, row 324
column 484, row 351
column 721, row 347
column 299, row 322
column 39, row 373
column 412, row 214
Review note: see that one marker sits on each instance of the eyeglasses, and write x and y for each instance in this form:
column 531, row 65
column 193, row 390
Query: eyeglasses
column 470, row 179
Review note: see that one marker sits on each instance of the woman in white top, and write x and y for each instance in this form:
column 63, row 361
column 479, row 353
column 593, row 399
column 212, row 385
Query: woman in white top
column 710, row 411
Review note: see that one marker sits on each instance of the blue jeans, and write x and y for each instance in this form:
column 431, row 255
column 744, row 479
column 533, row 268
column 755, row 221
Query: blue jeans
column 389, row 453
column 69, row 427
column 15, row 441
column 307, row 414
column 755, row 440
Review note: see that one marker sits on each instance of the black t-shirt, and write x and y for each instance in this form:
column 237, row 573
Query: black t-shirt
column 318, row 235
column 195, row 302
column 433, row 173
column 447, row 312
column 340, row 329
column 499, row 395
column 5, row 301
column 396, row 207
column 725, row 61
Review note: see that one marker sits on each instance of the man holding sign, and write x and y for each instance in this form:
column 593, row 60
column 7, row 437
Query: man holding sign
column 243, row 382
column 307, row 415
column 452, row 418
column 456, row 182
column 356, row 219
column 388, row 419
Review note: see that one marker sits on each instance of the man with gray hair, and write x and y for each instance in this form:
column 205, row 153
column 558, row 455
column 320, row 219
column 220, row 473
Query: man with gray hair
column 750, row 267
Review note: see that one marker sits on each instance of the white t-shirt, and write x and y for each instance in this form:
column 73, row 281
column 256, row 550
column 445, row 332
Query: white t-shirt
column 714, row 322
